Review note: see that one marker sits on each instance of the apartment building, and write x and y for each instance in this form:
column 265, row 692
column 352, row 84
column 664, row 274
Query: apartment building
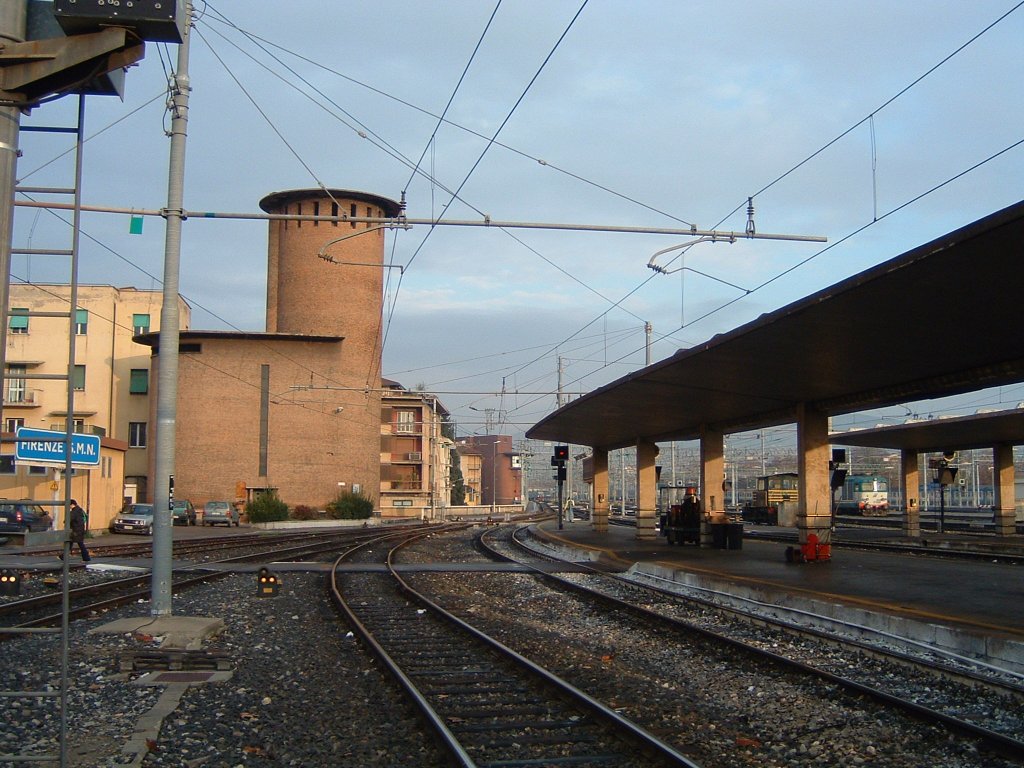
column 499, row 478
column 471, row 462
column 110, row 377
column 415, row 456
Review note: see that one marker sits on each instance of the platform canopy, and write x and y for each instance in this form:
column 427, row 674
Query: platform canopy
column 941, row 319
column 959, row 433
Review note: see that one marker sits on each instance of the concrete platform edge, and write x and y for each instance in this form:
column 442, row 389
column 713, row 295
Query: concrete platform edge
column 998, row 651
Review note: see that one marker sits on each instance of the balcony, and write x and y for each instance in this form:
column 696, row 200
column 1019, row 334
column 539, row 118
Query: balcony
column 79, row 429
column 20, row 399
column 401, row 485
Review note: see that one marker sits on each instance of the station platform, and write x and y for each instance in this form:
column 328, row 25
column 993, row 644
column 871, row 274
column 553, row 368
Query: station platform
column 979, row 599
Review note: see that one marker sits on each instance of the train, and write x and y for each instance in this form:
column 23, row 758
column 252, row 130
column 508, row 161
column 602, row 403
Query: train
column 864, row 495
column 769, row 492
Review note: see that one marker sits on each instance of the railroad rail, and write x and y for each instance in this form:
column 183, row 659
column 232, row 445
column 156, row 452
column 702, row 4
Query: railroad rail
column 489, row 705
column 88, row 600
column 1010, row 687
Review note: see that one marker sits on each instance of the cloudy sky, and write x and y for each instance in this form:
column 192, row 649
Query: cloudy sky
column 878, row 125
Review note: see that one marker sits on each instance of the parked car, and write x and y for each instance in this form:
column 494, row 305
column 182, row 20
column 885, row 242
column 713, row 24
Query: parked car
column 138, row 518
column 184, row 512
column 22, row 516
column 220, row 513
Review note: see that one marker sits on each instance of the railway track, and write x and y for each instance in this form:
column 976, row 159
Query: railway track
column 488, row 705
column 635, row 599
column 44, row 609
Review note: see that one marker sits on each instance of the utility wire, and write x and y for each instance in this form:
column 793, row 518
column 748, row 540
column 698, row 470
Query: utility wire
column 830, row 246
column 444, row 112
column 875, row 111
column 458, row 126
column 814, row 154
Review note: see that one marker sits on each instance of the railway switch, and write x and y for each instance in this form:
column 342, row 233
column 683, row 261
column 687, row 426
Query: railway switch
column 10, row 582
column 267, row 583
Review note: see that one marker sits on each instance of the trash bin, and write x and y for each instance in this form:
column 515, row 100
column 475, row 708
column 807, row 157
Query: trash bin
column 734, row 536
column 718, row 535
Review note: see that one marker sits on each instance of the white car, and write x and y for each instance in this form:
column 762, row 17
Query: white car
column 138, row 518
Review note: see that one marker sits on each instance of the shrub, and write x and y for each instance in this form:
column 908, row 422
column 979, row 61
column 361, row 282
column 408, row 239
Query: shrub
column 350, row 506
column 266, row 508
column 303, row 512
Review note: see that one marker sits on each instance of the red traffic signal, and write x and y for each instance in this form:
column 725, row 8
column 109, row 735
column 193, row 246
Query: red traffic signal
column 561, row 453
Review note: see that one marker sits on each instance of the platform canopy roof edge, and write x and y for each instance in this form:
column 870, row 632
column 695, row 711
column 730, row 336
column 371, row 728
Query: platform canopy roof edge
column 941, row 319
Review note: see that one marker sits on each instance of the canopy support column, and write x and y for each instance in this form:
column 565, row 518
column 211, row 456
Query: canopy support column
column 1005, row 497
column 712, row 472
column 911, row 480
column 599, row 508
column 814, row 513
column 646, row 489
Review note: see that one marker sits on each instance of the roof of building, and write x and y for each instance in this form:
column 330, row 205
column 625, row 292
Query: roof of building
column 959, row 433
column 152, row 339
column 275, row 201
column 941, row 319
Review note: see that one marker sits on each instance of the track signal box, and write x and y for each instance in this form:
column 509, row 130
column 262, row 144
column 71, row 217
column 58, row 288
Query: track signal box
column 160, row 21
column 10, row 582
column 561, row 453
column 267, row 583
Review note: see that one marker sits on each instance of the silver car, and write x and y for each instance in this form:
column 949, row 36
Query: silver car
column 220, row 513
column 138, row 518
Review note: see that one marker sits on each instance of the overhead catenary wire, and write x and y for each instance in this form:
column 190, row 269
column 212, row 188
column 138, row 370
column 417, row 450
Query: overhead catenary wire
column 540, row 161
column 846, row 237
column 604, row 315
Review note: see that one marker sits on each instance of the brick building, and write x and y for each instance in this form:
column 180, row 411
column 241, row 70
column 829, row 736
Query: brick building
column 296, row 408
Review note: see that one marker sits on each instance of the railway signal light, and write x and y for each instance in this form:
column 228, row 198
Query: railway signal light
column 10, row 582
column 561, row 453
column 267, row 583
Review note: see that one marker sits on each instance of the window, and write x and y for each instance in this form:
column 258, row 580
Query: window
column 81, row 321
column 15, row 384
column 136, row 434
column 7, row 465
column 19, row 320
column 78, row 378
column 403, row 502
column 334, row 213
column 34, row 470
column 139, row 383
column 140, row 324
column 405, row 422
column 352, row 215
column 316, row 212
column 11, row 425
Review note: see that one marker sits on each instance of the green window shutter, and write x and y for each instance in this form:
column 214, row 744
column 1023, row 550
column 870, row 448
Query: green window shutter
column 78, row 378
column 140, row 323
column 19, row 321
column 139, row 384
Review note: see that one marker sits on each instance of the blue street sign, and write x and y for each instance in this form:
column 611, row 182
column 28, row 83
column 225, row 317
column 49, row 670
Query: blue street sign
column 44, row 446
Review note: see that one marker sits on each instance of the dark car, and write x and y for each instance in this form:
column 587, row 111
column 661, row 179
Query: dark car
column 184, row 512
column 22, row 516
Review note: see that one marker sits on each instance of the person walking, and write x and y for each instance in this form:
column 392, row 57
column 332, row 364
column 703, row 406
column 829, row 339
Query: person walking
column 77, row 521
